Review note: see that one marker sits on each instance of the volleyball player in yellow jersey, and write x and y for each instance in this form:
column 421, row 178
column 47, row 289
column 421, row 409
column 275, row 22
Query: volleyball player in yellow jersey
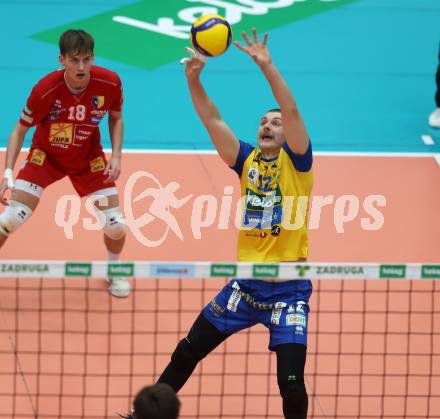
column 271, row 174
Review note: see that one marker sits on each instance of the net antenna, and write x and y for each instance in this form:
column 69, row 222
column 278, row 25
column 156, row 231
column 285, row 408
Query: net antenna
column 18, row 364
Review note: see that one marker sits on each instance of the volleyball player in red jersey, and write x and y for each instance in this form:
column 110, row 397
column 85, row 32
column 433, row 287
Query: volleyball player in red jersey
column 66, row 106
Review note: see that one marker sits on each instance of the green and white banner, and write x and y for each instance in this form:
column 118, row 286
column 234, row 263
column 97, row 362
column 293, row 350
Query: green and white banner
column 140, row 269
column 152, row 33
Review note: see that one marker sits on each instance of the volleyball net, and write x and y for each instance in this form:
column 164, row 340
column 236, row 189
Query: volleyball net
column 68, row 349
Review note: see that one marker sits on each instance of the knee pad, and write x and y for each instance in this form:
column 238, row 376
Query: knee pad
column 185, row 355
column 14, row 215
column 114, row 225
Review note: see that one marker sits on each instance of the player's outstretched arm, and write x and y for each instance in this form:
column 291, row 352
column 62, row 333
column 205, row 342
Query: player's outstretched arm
column 293, row 124
column 15, row 143
column 221, row 135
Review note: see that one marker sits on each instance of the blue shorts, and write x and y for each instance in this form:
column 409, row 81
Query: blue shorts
column 281, row 306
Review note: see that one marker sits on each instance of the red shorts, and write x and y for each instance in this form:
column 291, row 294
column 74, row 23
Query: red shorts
column 42, row 170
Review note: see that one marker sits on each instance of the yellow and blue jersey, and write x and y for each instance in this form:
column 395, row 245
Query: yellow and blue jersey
column 275, row 199
column 272, row 231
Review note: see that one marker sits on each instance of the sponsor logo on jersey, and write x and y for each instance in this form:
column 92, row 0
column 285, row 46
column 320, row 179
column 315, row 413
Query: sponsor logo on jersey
column 95, row 119
column 275, row 231
column 61, row 133
column 253, row 175
column 38, row 157
column 82, row 131
column 98, row 101
column 256, row 235
column 81, row 134
column 98, row 112
column 299, row 330
column 296, row 319
column 97, row 165
column 56, row 110
column 215, row 308
column 300, row 307
column 27, row 110
column 263, row 211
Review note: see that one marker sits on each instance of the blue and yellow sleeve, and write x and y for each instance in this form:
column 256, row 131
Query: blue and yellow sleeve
column 244, row 152
column 302, row 162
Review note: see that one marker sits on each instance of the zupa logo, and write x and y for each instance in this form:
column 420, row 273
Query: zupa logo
column 392, row 271
column 78, row 269
column 431, row 271
column 164, row 26
column 224, row 270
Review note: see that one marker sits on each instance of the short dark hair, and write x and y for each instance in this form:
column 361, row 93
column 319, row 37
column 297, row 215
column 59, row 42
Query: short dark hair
column 158, row 401
column 274, row 110
column 76, row 41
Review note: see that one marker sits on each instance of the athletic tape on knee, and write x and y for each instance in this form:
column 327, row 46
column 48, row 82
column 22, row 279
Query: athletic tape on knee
column 114, row 225
column 14, row 215
column 29, row 187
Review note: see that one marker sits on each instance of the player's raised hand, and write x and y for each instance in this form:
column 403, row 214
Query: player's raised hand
column 258, row 51
column 113, row 169
column 194, row 64
column 6, row 184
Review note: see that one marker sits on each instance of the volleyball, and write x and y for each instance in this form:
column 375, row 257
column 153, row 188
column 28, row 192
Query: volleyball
column 211, row 35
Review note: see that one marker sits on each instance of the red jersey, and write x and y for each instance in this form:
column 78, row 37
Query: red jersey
column 67, row 123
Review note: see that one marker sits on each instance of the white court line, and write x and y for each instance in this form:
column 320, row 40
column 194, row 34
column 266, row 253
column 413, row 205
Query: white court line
column 427, row 139
column 315, row 153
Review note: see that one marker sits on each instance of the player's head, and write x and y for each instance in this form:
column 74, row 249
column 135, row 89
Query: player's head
column 270, row 132
column 156, row 402
column 76, row 55
column 76, row 42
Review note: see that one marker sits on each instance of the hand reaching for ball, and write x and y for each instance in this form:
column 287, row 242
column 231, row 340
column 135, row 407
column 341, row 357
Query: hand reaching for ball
column 258, row 52
column 193, row 65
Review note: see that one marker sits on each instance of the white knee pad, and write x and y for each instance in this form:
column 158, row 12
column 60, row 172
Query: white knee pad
column 114, row 224
column 14, row 215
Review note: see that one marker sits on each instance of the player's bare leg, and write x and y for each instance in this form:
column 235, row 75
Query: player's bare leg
column 21, row 205
column 114, row 239
column 114, row 246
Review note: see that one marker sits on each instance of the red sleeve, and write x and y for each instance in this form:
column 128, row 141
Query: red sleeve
column 35, row 110
column 118, row 98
